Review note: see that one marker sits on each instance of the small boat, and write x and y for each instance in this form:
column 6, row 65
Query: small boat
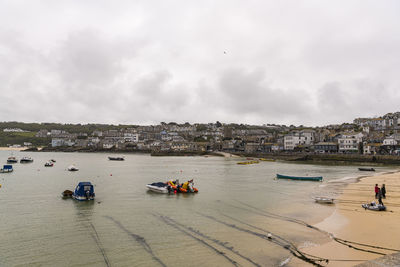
column 67, row 194
column 12, row 159
column 300, row 178
column 324, row 200
column 53, row 160
column 72, row 168
column 84, row 191
column 264, row 159
column 49, row 164
column 116, row 158
column 159, row 187
column 26, row 160
column 366, row 169
column 243, row 162
column 6, row 169
column 374, row 206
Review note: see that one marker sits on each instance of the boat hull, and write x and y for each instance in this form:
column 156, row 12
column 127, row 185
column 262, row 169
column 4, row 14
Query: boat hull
column 324, row 200
column 157, row 189
column 366, row 169
column 300, row 178
column 82, row 198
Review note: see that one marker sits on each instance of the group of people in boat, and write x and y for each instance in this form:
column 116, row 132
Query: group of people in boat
column 186, row 187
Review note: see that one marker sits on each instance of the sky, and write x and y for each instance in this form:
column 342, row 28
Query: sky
column 314, row 62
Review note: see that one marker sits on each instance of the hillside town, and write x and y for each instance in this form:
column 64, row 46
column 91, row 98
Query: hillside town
column 369, row 136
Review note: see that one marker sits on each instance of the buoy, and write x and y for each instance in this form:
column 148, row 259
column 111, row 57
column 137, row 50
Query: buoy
column 269, row 235
column 111, row 174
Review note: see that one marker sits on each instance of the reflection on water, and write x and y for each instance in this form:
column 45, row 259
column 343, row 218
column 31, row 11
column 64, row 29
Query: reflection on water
column 226, row 223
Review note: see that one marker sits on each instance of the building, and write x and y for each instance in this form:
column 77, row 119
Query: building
column 326, row 147
column 350, row 142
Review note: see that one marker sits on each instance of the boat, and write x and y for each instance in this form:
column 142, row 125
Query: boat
column 26, row 160
column 243, row 162
column 53, row 160
column 6, row 169
column 49, row 164
column 300, row 178
column 12, row 159
column 84, row 191
column 72, row 168
column 374, row 206
column 366, row 169
column 67, row 194
column 264, row 159
column 159, row 187
column 324, row 200
column 116, row 158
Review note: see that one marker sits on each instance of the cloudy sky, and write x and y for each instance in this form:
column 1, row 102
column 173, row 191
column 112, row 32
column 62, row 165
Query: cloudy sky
column 143, row 62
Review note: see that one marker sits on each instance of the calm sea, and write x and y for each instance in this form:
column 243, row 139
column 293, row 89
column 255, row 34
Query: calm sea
column 225, row 224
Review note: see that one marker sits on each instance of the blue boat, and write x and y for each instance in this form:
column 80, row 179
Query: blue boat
column 84, row 191
column 6, row 168
column 300, row 178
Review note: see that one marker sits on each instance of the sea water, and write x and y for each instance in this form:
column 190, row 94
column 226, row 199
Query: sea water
column 226, row 223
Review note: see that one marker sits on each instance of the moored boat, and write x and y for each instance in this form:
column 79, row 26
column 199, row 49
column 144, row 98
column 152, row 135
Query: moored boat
column 26, row 160
column 159, row 187
column 299, row 178
column 12, row 159
column 116, row 158
column 264, row 159
column 73, row 168
column 6, row 169
column 366, row 169
column 49, row 164
column 324, row 200
column 84, row 191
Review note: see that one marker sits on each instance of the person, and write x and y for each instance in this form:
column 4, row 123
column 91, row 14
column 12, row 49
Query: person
column 376, row 190
column 186, row 185
column 380, row 196
column 383, row 190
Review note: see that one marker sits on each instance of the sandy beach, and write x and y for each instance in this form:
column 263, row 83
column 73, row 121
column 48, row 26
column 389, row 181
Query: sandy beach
column 352, row 222
column 12, row 148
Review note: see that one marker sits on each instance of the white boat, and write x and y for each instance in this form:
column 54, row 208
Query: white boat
column 26, row 160
column 374, row 206
column 324, row 200
column 159, row 187
column 12, row 159
column 72, row 168
column 49, row 164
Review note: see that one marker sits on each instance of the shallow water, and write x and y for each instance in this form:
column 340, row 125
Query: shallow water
column 126, row 225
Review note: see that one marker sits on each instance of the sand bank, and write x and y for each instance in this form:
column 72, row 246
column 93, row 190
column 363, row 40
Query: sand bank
column 351, row 222
column 12, row 148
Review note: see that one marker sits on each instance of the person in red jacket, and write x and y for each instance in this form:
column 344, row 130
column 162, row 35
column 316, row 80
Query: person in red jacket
column 376, row 190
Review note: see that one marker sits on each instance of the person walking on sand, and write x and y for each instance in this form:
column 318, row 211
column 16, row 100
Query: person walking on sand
column 383, row 191
column 380, row 196
column 376, row 191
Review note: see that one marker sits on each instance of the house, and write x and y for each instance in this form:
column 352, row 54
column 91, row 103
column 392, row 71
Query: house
column 294, row 139
column 350, row 142
column 371, row 148
column 325, row 147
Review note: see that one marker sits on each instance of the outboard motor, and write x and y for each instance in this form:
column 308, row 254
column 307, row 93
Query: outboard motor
column 87, row 194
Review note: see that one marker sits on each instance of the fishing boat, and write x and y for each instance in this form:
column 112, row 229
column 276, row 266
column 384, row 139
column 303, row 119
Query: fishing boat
column 366, row 169
column 26, row 160
column 84, row 191
column 116, row 158
column 6, row 169
column 12, row 159
column 73, row 168
column 374, row 206
column 324, row 200
column 300, row 178
column 49, row 164
column 159, row 187
column 264, row 159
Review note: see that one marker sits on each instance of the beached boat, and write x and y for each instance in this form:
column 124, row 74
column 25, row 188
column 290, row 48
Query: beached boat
column 6, row 169
column 159, row 187
column 324, row 200
column 366, row 169
column 243, row 162
column 84, row 191
column 264, row 159
column 12, row 159
column 374, row 206
column 300, row 178
column 26, row 160
column 116, row 158
column 73, row 168
column 49, row 164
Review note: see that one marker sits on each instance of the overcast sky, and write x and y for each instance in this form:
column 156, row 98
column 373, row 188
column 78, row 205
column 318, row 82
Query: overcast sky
column 142, row 62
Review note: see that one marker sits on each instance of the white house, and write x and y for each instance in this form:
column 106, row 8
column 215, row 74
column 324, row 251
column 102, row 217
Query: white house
column 350, row 142
column 294, row 139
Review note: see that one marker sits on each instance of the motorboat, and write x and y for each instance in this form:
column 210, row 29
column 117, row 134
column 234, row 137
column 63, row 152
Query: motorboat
column 116, row 158
column 26, row 160
column 73, row 168
column 366, row 169
column 84, row 191
column 374, row 206
column 53, row 160
column 49, row 164
column 159, row 187
column 300, row 178
column 6, row 169
column 324, row 200
column 12, row 159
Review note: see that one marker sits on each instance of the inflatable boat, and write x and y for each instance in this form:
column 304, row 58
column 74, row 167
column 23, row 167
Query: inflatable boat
column 374, row 206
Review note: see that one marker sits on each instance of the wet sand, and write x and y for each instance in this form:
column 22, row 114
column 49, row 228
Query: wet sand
column 351, row 222
column 12, row 148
